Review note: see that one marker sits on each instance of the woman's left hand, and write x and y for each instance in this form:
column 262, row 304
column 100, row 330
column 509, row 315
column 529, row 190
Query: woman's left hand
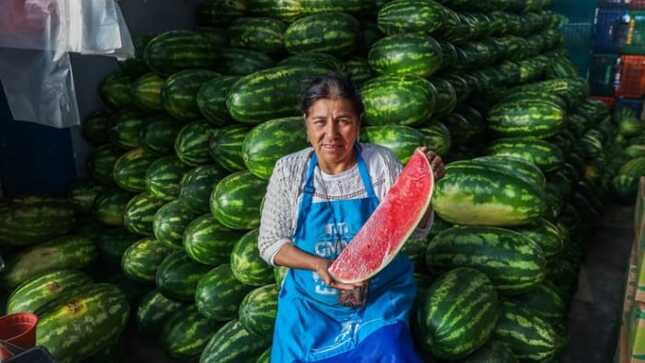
column 435, row 162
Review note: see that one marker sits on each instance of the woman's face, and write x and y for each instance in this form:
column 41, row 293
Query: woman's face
column 333, row 129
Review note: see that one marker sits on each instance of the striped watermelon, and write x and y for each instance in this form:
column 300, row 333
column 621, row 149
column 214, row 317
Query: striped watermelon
column 141, row 260
column 126, row 132
column 334, row 33
column 406, row 54
column 174, row 51
column 246, row 263
column 262, row 34
column 236, row 200
column 459, row 314
column 33, row 219
column 34, row 293
column 101, row 163
column 154, row 311
column 402, row 100
column 279, row 274
column 541, row 153
column 130, row 169
column 185, row 334
column 546, row 235
column 474, row 193
column 140, row 213
column 258, row 310
column 83, row 194
column 512, row 261
column 83, row 323
column 110, row 206
column 220, row 12
column 265, row 357
column 517, row 167
column 358, row 70
column 331, row 6
column 177, row 276
column 179, row 94
column 270, row 141
column 529, row 117
column 170, row 222
column 197, row 184
column 446, row 98
column 316, row 60
column 164, row 176
column 192, row 144
column 493, row 352
column 219, row 294
column 211, row 99
column 112, row 244
column 437, row 138
column 115, row 90
column 410, row 16
column 96, row 128
column 146, row 91
column 208, row 242
column 401, row 140
column 233, row 344
column 225, row 147
column 529, row 336
column 287, row 10
column 159, row 134
column 240, row 62
column 269, row 94
column 545, row 301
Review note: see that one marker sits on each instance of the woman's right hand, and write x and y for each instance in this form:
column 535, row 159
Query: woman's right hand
column 322, row 269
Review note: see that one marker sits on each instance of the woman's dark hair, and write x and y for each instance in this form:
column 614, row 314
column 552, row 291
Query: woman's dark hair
column 333, row 85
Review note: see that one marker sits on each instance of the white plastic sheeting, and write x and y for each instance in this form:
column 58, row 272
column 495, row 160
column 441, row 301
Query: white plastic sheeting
column 36, row 37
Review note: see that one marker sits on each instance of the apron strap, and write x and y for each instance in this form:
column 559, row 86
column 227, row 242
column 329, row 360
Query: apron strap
column 308, row 195
column 365, row 176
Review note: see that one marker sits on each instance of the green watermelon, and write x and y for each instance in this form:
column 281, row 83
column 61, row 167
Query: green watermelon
column 141, row 260
column 113, row 242
column 179, row 94
column 185, row 334
column 334, row 33
column 437, row 138
column 83, row 323
column 411, row 16
column 446, row 98
column 208, row 242
column 236, row 200
column 192, row 144
column 197, row 184
column 401, row 140
column 146, row 91
column 177, row 276
column 406, row 54
column 33, row 219
column 265, row 357
column 126, row 132
column 269, row 94
column 130, row 169
column 316, row 60
column 233, row 344
column 544, row 301
column 211, row 99
column 38, row 291
column 115, row 90
column 270, row 141
column 475, row 193
column 459, row 314
column 541, row 153
column 512, row 261
column 154, row 311
column 140, row 212
column 171, row 220
column 401, row 100
column 225, row 147
column 219, row 294
column 83, row 194
column 174, row 51
column 110, row 207
column 546, row 235
column 262, row 34
column 159, row 134
column 246, row 263
column 533, row 117
column 240, row 62
column 164, row 176
column 279, row 274
column 529, row 336
column 96, row 128
column 258, row 310
column 358, row 70
column 493, row 352
column 101, row 163
column 220, row 12
column 331, row 6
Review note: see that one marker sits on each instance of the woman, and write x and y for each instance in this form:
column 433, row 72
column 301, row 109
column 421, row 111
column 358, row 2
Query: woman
column 317, row 200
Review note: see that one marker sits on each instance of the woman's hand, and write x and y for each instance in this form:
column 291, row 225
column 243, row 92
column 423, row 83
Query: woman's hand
column 436, row 163
column 322, row 269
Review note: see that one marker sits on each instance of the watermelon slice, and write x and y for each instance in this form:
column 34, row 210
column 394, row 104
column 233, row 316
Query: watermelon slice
column 382, row 236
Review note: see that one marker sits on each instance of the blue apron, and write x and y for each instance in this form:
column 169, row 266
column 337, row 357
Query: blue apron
column 311, row 326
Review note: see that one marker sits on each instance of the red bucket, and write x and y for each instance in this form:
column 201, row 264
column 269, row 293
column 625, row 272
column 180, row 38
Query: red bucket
column 18, row 330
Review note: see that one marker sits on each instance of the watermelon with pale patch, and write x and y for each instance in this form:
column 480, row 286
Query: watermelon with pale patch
column 379, row 240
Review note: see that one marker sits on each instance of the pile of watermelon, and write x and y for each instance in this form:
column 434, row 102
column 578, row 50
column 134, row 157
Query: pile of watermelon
column 193, row 127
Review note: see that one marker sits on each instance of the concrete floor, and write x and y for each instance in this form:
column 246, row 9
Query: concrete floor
column 594, row 315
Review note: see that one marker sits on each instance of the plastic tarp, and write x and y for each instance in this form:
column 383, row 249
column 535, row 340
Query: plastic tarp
column 36, row 37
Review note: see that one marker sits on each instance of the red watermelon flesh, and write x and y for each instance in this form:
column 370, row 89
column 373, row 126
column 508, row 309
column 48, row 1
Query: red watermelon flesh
column 397, row 216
